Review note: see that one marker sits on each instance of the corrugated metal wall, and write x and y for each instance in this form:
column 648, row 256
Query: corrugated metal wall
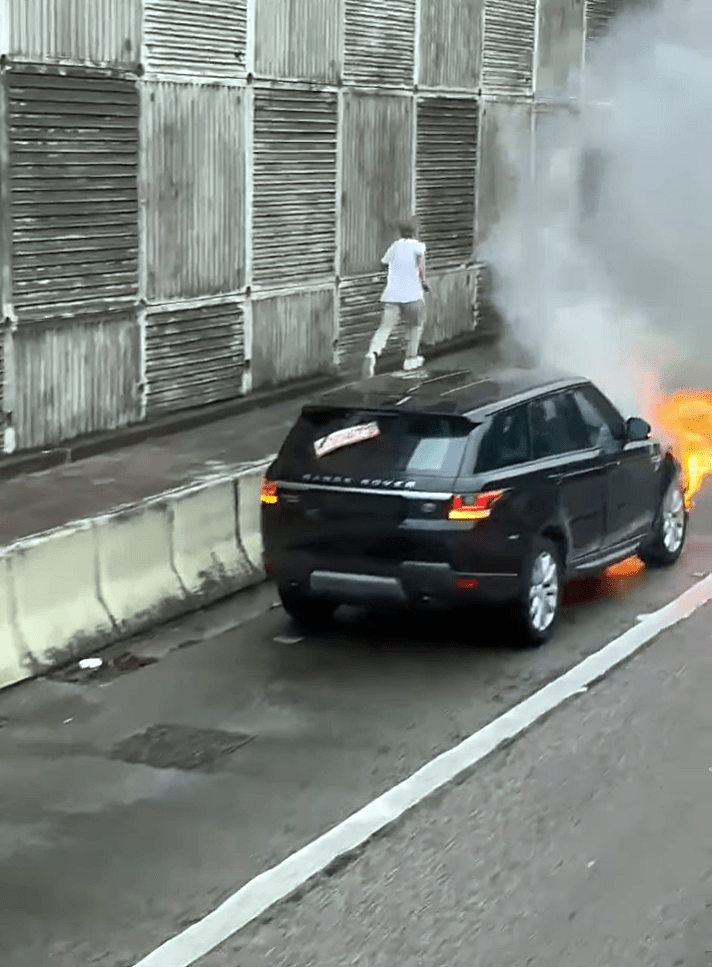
column 102, row 32
column 293, row 336
column 245, row 188
column 599, row 14
column 508, row 54
column 194, row 356
column 75, row 379
column 450, row 306
column 504, row 152
column 446, row 163
column 560, row 44
column 298, row 39
column 193, row 183
column 379, row 42
column 294, row 195
column 74, row 163
column 377, row 176
column 451, row 44
column 205, row 38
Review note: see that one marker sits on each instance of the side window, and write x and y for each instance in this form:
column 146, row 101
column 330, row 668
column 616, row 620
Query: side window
column 506, row 442
column 607, row 410
column 556, row 426
column 599, row 430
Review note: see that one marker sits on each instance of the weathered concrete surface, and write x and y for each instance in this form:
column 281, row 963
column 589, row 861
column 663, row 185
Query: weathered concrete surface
column 101, row 859
column 586, row 843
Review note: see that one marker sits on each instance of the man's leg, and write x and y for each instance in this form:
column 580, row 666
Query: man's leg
column 415, row 322
column 381, row 337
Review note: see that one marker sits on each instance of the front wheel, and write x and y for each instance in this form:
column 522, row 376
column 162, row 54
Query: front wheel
column 307, row 612
column 540, row 601
column 669, row 531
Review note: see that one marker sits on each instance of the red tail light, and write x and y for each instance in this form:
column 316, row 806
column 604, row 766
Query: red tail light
column 268, row 492
column 477, row 507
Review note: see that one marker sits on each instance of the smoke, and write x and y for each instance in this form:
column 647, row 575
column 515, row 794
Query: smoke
column 604, row 264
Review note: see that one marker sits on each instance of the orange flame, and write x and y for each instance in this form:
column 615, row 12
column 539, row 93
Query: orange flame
column 686, row 418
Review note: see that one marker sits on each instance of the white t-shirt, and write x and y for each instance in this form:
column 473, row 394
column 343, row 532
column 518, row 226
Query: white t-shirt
column 404, row 283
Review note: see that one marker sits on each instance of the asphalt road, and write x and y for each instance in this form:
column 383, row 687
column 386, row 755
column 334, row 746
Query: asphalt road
column 132, row 803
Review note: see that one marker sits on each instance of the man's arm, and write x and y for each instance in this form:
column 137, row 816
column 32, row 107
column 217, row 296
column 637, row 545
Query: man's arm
column 421, row 272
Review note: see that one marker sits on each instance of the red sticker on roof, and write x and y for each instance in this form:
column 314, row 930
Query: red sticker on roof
column 346, row 438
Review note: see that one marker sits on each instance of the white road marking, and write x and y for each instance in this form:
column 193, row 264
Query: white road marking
column 276, row 884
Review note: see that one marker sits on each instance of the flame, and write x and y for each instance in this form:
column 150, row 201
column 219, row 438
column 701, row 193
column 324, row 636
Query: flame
column 624, row 569
column 686, row 418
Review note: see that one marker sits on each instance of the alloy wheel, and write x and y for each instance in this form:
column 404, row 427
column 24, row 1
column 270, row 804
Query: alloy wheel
column 543, row 592
column 673, row 520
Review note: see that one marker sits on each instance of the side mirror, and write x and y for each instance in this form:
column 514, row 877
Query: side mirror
column 637, row 430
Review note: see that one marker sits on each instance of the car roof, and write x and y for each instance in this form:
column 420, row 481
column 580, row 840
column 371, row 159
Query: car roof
column 446, row 390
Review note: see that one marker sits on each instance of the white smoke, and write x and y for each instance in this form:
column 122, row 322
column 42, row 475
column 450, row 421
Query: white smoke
column 604, row 266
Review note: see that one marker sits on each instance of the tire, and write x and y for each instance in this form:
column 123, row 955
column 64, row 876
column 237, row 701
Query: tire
column 540, row 601
column 669, row 533
column 307, row 612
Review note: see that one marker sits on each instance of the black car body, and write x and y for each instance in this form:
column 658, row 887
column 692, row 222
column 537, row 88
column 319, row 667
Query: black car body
column 444, row 488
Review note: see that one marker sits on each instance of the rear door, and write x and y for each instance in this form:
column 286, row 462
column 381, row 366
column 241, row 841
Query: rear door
column 631, row 470
column 574, row 469
column 348, row 478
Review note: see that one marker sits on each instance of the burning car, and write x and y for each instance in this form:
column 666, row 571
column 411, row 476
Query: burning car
column 455, row 489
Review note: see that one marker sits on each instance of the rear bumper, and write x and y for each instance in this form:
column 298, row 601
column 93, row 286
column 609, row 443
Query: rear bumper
column 406, row 584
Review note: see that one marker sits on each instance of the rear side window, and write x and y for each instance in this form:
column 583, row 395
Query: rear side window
column 506, row 443
column 359, row 443
column 557, row 426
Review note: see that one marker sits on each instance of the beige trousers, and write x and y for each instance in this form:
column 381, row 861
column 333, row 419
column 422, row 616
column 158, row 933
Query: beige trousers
column 412, row 314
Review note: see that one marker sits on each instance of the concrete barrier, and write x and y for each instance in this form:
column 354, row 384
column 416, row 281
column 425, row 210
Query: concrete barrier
column 249, row 516
column 12, row 667
column 58, row 609
column 137, row 577
column 70, row 592
column 207, row 554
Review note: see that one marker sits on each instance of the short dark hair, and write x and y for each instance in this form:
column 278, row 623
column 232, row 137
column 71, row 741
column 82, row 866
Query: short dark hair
column 407, row 229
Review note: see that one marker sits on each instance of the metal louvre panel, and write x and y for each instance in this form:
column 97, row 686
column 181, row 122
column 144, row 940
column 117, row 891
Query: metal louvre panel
column 207, row 38
column 74, row 195
column 294, row 195
column 194, row 356
column 2, row 381
column 360, row 311
column 451, row 44
column 599, row 14
column 379, row 42
column 487, row 316
column 445, row 179
column 508, row 55
column 298, row 39
column 193, row 174
column 101, row 32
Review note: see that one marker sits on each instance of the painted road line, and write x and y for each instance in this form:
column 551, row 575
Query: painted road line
column 278, row 883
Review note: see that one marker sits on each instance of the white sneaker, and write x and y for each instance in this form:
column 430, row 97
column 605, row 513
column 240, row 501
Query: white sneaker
column 416, row 363
column 369, row 366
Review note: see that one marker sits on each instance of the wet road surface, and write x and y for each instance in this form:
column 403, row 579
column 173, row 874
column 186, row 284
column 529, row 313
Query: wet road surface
column 133, row 803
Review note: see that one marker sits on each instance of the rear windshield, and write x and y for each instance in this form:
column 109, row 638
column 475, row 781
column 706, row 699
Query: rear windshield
column 358, row 442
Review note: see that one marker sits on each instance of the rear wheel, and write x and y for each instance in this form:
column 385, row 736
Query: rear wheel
column 669, row 532
column 540, row 601
column 307, row 612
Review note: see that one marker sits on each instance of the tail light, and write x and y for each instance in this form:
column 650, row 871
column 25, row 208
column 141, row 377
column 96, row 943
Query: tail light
column 477, row 507
column 268, row 492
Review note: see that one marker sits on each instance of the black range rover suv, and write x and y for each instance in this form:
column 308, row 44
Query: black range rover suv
column 447, row 488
